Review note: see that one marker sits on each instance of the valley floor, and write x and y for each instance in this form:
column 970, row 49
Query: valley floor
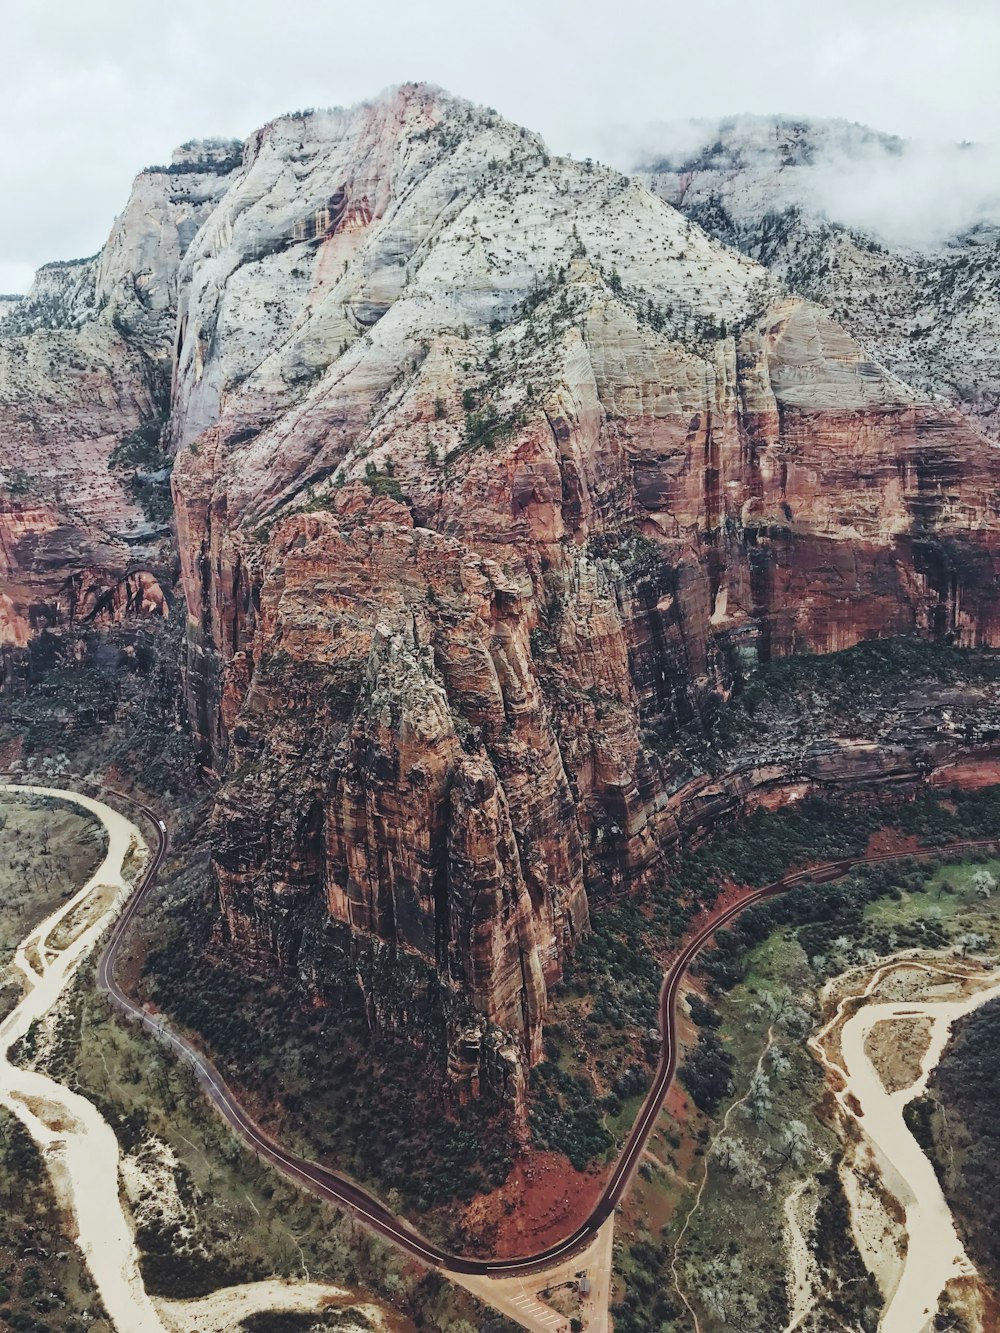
column 808, row 1206
column 769, row 1194
column 78, row 1145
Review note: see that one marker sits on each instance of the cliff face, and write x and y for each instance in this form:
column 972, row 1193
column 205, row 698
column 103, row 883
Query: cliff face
column 85, row 365
column 900, row 240
column 493, row 473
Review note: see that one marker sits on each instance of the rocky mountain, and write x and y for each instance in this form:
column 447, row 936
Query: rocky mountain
column 85, row 367
column 899, row 240
column 493, row 474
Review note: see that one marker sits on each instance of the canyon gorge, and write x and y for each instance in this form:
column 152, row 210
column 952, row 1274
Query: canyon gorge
column 493, row 476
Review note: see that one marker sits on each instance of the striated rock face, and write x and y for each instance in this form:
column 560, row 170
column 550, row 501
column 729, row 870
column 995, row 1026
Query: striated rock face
column 429, row 805
column 493, row 474
column 85, row 364
column 833, row 210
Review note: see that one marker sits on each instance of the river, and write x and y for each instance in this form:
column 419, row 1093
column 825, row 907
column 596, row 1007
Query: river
column 934, row 1254
column 76, row 1142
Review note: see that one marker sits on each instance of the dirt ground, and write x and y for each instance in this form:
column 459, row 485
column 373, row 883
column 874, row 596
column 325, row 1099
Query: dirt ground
column 543, row 1199
column 896, row 1049
column 969, row 774
column 886, row 840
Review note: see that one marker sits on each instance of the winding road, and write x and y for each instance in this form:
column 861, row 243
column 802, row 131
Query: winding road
column 338, row 1189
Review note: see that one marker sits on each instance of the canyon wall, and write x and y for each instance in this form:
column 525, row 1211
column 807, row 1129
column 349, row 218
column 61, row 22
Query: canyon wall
column 898, row 238
column 493, row 474
column 85, row 368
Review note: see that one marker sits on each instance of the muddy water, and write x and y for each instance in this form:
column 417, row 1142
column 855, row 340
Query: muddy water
column 935, row 1254
column 77, row 1143
column 79, row 1147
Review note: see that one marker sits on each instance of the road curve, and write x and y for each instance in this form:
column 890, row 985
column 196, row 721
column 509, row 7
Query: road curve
column 338, row 1189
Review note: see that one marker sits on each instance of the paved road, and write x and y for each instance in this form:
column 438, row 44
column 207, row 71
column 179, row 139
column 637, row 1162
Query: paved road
column 339, row 1189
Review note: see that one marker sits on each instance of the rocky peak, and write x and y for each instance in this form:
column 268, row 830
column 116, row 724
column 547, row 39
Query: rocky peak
column 840, row 213
column 494, row 473
column 62, row 296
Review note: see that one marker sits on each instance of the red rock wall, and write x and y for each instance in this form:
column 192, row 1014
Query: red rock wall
column 444, row 730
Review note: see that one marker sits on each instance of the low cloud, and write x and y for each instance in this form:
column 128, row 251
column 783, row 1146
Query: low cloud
column 928, row 194
column 906, row 192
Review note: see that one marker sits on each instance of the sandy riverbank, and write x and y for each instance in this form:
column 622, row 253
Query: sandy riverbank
column 79, row 1147
column 932, row 1254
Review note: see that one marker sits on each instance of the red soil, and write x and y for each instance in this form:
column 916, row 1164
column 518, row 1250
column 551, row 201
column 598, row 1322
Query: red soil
column 885, row 840
column 969, row 774
column 542, row 1200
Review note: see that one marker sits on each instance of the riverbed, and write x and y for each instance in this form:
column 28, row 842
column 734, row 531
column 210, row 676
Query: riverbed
column 931, row 1253
column 77, row 1144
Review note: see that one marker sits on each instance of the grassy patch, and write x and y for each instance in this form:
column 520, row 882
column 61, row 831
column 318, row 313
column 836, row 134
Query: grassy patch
column 48, row 848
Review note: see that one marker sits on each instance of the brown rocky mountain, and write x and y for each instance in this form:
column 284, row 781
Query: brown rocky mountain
column 85, row 365
column 493, row 473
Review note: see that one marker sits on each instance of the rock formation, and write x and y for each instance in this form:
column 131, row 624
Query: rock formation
column 492, row 474
column 921, row 293
column 85, row 366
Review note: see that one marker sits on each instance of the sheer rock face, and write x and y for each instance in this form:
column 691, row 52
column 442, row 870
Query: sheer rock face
column 819, row 203
column 85, row 361
column 493, row 474
column 390, row 672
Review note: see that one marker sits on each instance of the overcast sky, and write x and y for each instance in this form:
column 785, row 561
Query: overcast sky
column 93, row 90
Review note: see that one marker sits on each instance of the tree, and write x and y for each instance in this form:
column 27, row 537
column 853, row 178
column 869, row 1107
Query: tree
column 794, row 1145
column 984, row 882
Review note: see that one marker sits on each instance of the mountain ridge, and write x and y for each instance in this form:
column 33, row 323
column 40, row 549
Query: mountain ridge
column 494, row 475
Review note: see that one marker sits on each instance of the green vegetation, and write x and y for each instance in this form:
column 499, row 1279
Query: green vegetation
column 647, row 1303
column 367, row 1103
column 142, row 456
column 564, row 1115
column 485, row 428
column 117, row 706
column 607, row 1008
column 600, row 1043
column 48, row 848
column 765, row 974
column 636, row 556
column 708, row 1073
column 275, row 1322
column 220, row 166
column 44, row 1283
column 16, row 481
column 858, row 689
column 228, row 1217
column 957, row 1124
column 762, row 975
column 70, row 263
column 383, row 483
column 140, row 448
column 231, row 1218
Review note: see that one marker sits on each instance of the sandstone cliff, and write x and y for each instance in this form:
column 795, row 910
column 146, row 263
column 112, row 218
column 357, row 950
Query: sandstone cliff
column 85, row 366
column 493, row 474
column 866, row 224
